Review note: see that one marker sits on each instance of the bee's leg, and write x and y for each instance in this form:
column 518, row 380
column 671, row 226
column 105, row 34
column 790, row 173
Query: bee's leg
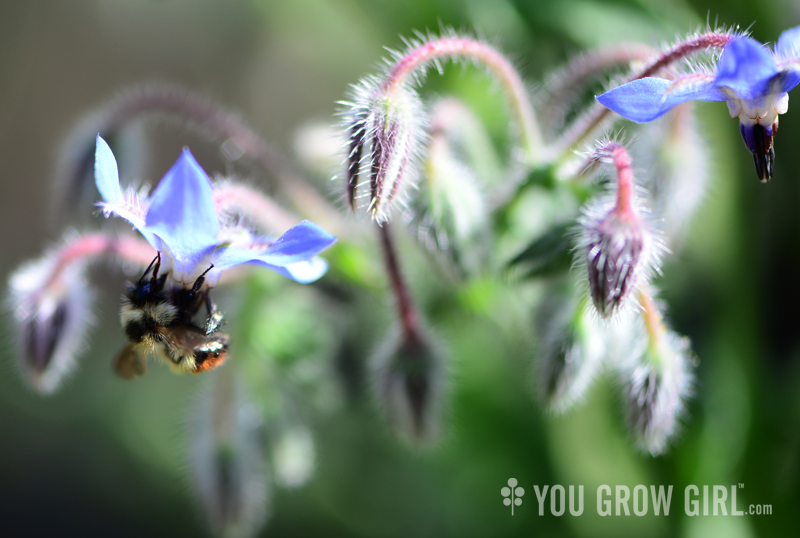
column 159, row 285
column 214, row 316
column 201, row 279
column 154, row 282
column 156, row 262
column 189, row 301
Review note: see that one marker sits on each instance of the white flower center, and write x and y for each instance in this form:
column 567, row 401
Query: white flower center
column 763, row 110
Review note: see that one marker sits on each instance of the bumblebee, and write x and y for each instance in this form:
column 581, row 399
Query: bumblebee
column 160, row 322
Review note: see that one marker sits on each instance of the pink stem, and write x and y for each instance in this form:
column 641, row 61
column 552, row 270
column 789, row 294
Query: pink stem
column 625, row 183
column 223, row 126
column 513, row 85
column 89, row 247
column 258, row 207
column 585, row 125
column 566, row 84
column 408, row 315
column 711, row 40
column 652, row 317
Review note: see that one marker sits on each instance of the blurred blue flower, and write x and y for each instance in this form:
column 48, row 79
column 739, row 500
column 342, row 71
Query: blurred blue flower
column 753, row 80
column 180, row 221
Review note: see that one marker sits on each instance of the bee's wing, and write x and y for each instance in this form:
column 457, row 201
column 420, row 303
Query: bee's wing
column 192, row 350
column 182, row 339
column 129, row 364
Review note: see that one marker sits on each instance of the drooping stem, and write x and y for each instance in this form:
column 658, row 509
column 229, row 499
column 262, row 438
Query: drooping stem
column 231, row 197
column 625, row 183
column 236, row 137
column 87, row 248
column 409, row 318
column 653, row 321
column 615, row 154
column 565, row 85
column 697, row 43
column 462, row 47
column 583, row 127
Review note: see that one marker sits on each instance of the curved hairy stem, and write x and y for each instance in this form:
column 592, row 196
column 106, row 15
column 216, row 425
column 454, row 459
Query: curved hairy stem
column 425, row 53
column 597, row 116
column 236, row 137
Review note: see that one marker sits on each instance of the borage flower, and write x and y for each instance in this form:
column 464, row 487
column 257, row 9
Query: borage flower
column 180, row 221
column 753, row 80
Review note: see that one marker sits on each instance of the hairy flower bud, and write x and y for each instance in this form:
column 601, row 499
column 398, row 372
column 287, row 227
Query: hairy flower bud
column 226, row 457
column 617, row 246
column 450, row 213
column 656, row 375
column 52, row 312
column 409, row 377
column 613, row 249
column 656, row 388
column 384, row 127
column 572, row 352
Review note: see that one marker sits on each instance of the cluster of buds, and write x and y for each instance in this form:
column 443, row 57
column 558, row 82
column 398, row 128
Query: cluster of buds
column 617, row 240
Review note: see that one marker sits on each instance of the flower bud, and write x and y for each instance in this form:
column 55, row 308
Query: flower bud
column 616, row 245
column 408, row 376
column 52, row 313
column 450, row 213
column 384, row 128
column 619, row 250
column 226, row 457
column 657, row 384
column 572, row 352
column 613, row 249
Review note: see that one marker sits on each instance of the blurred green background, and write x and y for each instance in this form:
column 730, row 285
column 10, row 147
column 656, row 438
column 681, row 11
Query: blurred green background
column 107, row 458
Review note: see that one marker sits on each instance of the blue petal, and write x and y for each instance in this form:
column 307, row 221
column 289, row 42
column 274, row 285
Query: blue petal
column 182, row 211
column 106, row 174
column 788, row 47
column 300, row 243
column 746, row 67
column 648, row 98
column 786, row 80
column 303, row 272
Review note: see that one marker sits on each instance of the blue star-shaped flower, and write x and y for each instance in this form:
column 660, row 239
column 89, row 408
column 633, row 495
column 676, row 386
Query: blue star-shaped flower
column 180, row 221
column 753, row 80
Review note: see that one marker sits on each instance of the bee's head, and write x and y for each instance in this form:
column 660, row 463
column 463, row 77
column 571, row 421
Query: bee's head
column 146, row 291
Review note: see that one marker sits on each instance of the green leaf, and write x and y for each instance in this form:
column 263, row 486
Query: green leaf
column 549, row 254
